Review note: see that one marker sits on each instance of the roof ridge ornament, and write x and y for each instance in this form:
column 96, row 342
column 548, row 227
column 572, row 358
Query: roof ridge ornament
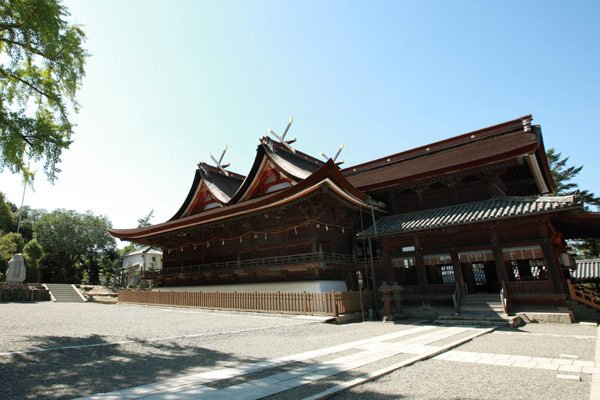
column 526, row 124
column 218, row 163
column 281, row 139
column 334, row 157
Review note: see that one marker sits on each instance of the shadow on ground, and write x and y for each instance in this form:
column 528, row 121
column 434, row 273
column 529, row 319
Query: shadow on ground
column 73, row 372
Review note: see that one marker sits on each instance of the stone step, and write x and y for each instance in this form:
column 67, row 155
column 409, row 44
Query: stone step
column 64, row 293
column 481, row 320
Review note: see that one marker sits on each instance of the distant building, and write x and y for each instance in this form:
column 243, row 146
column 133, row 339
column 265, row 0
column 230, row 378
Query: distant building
column 137, row 262
column 472, row 213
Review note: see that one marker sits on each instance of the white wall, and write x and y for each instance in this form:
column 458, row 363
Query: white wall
column 285, row 287
column 144, row 259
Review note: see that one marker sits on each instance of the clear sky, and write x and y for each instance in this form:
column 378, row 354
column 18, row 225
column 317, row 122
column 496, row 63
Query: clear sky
column 170, row 81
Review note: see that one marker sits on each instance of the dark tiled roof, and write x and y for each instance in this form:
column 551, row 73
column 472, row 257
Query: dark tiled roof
column 587, row 269
column 477, row 152
column 462, row 214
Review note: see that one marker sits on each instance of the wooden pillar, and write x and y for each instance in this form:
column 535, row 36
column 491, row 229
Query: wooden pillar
column 498, row 259
column 458, row 273
column 554, row 268
column 420, row 263
column 387, row 261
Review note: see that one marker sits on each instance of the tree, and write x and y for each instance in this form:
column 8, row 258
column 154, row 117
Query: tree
column 563, row 175
column 10, row 244
column 41, row 67
column 33, row 252
column 7, row 218
column 75, row 242
column 145, row 221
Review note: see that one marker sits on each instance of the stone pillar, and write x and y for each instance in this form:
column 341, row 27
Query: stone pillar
column 386, row 297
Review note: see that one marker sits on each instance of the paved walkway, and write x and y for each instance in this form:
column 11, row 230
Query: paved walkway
column 413, row 341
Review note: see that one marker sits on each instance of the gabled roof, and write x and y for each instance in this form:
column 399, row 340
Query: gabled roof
column 469, row 213
column 494, row 144
column 143, row 250
column 296, row 166
column 327, row 177
column 220, row 186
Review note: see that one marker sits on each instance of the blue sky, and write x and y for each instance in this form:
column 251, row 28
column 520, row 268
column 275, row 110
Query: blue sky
column 170, row 81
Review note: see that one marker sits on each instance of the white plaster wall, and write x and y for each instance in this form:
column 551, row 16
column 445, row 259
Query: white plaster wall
column 285, row 287
column 132, row 260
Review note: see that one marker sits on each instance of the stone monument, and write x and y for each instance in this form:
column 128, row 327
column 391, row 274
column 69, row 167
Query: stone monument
column 16, row 269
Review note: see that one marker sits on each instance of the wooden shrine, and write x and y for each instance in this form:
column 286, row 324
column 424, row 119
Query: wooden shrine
column 470, row 214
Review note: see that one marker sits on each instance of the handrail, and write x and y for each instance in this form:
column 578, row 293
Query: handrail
column 504, row 297
column 456, row 298
column 265, row 261
column 584, row 295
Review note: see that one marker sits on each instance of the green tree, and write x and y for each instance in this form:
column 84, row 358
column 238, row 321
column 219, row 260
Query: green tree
column 145, row 221
column 33, row 252
column 10, row 244
column 563, row 175
column 75, row 242
column 7, row 218
column 41, row 67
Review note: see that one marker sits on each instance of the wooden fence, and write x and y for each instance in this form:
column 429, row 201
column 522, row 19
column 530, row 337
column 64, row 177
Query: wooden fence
column 328, row 303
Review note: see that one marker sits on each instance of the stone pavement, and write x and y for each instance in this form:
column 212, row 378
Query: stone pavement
column 364, row 352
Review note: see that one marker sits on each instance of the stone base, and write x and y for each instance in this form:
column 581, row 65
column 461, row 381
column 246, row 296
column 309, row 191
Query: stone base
column 547, row 317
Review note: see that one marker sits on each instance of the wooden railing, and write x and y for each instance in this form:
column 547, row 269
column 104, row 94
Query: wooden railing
column 328, row 303
column 584, row 295
column 332, row 258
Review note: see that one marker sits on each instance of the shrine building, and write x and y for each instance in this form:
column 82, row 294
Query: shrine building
column 472, row 213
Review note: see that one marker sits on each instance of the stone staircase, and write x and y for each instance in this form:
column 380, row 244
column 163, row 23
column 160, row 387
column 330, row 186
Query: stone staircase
column 480, row 309
column 63, row 293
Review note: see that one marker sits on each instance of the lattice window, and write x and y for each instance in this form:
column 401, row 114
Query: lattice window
column 479, row 274
column 447, row 272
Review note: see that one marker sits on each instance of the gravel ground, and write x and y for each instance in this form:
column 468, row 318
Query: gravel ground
column 222, row 340
column 434, row 379
column 135, row 345
column 539, row 341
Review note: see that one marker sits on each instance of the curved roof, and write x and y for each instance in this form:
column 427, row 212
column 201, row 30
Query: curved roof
column 470, row 150
column 220, row 186
column 295, row 165
column 469, row 213
column 328, row 177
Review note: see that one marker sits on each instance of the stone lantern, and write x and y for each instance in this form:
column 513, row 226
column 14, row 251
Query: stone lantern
column 386, row 297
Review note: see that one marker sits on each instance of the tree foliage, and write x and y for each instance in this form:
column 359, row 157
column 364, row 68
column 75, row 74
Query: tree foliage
column 563, row 175
column 41, row 67
column 74, row 243
column 7, row 218
column 33, row 252
column 145, row 221
column 10, row 244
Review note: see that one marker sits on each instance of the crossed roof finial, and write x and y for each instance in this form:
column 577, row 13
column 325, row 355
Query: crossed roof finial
column 218, row 163
column 281, row 139
column 336, row 156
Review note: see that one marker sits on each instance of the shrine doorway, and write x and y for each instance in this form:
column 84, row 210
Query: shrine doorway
column 480, row 277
